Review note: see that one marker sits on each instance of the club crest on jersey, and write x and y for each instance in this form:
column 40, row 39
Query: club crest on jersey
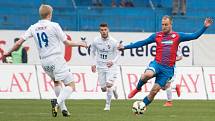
column 108, row 46
column 173, row 35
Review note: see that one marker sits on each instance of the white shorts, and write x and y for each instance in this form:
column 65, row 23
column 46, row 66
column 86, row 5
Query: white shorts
column 57, row 68
column 105, row 77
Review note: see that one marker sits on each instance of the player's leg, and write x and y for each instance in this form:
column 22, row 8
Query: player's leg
column 168, row 88
column 148, row 99
column 64, row 94
column 177, row 87
column 57, row 90
column 102, row 83
column 47, row 65
column 62, row 72
column 111, row 77
column 160, row 82
column 108, row 96
column 144, row 78
column 102, row 80
column 109, row 91
column 115, row 93
column 164, row 79
column 148, row 74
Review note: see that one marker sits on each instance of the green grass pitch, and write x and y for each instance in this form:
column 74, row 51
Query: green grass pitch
column 92, row 110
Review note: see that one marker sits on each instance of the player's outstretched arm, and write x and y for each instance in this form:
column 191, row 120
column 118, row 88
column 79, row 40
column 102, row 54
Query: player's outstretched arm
column 120, row 46
column 141, row 43
column 93, row 56
column 15, row 47
column 116, row 58
column 191, row 36
column 75, row 44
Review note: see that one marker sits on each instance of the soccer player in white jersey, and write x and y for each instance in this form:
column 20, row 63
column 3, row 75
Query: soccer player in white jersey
column 169, row 85
column 105, row 55
column 48, row 37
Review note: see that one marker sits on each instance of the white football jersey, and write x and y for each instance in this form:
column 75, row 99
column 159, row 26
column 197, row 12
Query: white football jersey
column 104, row 50
column 48, row 36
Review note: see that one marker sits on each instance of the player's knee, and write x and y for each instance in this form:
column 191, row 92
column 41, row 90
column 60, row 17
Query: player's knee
column 146, row 77
column 163, row 88
column 109, row 85
column 166, row 86
column 72, row 85
column 103, row 89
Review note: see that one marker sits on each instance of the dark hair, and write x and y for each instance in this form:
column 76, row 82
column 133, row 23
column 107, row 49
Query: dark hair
column 103, row 25
column 167, row 17
column 16, row 39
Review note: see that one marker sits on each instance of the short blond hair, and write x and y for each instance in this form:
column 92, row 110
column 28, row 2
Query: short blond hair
column 45, row 10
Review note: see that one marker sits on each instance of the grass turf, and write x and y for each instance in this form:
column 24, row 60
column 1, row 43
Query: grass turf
column 92, row 110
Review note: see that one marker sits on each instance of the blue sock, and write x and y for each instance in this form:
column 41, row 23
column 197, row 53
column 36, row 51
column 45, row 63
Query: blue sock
column 140, row 84
column 146, row 101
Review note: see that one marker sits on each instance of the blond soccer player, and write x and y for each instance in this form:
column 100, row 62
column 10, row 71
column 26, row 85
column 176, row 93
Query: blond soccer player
column 48, row 37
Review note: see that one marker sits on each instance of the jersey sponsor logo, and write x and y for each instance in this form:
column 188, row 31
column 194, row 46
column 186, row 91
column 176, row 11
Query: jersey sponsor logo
column 169, row 42
column 104, row 50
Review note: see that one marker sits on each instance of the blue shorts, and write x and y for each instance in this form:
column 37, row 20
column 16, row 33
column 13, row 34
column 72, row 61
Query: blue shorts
column 163, row 73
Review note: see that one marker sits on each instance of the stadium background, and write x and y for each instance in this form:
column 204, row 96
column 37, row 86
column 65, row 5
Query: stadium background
column 196, row 72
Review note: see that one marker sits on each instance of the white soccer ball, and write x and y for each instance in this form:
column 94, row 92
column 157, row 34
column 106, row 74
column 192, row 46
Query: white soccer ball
column 138, row 107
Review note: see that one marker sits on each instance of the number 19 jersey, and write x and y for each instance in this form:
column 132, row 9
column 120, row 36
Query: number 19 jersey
column 48, row 36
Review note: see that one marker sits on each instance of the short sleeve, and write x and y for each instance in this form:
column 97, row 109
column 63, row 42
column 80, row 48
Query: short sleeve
column 61, row 35
column 27, row 34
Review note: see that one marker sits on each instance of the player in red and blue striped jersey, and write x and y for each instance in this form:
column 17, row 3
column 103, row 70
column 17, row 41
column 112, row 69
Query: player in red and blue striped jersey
column 162, row 68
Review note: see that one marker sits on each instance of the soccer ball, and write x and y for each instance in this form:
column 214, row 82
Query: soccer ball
column 138, row 107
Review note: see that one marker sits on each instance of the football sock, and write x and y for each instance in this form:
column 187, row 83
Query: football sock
column 109, row 95
column 146, row 101
column 57, row 90
column 140, row 84
column 64, row 94
column 169, row 94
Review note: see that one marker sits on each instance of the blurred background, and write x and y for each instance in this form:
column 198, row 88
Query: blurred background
column 121, row 15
